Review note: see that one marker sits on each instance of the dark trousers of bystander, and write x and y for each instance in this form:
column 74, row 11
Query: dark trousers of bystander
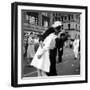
column 60, row 53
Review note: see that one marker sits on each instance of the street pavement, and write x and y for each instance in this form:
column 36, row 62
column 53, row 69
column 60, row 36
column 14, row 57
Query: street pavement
column 68, row 66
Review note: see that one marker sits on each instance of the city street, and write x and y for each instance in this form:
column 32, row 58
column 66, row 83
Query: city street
column 68, row 66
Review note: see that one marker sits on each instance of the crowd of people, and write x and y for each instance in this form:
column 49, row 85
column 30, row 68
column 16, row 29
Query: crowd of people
column 31, row 44
column 42, row 50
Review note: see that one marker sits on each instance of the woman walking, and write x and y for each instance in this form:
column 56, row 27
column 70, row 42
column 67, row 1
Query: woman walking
column 30, row 49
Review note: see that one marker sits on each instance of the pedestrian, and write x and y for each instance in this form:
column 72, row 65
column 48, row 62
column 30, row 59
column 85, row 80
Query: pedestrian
column 30, row 49
column 60, row 44
column 26, row 46
column 45, row 57
column 76, row 46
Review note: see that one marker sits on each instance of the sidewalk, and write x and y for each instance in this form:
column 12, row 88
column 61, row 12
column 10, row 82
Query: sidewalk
column 69, row 66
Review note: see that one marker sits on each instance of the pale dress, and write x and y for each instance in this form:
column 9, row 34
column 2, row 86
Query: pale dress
column 76, row 47
column 30, row 49
column 44, row 62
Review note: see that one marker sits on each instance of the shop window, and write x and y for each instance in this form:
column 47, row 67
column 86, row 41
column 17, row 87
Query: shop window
column 65, row 17
column 45, row 21
column 32, row 18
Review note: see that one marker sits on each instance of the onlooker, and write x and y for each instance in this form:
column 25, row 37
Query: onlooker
column 36, row 42
column 60, row 45
column 76, row 46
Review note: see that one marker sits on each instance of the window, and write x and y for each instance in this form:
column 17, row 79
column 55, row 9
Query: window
column 69, row 17
column 65, row 17
column 69, row 26
column 32, row 18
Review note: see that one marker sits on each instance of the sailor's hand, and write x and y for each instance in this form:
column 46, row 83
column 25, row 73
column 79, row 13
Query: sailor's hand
column 39, row 56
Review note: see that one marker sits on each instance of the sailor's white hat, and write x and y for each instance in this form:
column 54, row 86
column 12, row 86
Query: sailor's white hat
column 56, row 24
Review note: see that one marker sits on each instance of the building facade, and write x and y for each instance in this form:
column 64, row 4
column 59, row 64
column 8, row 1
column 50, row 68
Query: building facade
column 39, row 21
